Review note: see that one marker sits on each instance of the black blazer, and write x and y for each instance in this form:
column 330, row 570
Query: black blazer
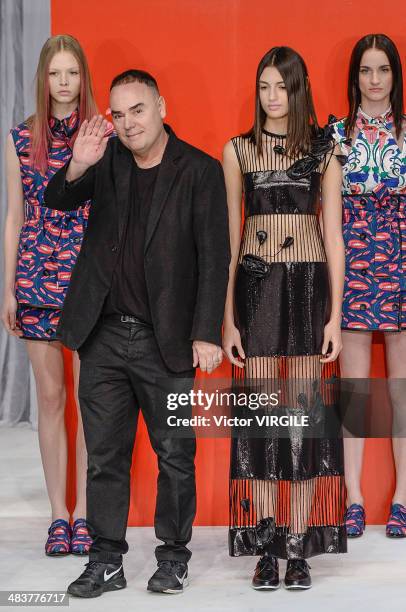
column 186, row 251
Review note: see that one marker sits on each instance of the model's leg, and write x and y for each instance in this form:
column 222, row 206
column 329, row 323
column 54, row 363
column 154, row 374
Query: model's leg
column 302, row 373
column 266, row 371
column 81, row 540
column 396, row 362
column 263, row 376
column 264, row 498
column 47, row 363
column 355, row 362
column 81, row 453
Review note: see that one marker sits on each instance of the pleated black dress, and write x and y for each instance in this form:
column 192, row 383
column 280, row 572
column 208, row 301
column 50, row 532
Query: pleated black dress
column 286, row 493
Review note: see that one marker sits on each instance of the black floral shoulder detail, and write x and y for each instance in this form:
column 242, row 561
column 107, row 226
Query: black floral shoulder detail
column 321, row 146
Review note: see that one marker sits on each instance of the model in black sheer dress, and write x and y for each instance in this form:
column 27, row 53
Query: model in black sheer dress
column 283, row 317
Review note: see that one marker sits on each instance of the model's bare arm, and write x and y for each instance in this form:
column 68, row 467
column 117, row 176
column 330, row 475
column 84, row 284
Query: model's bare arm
column 232, row 173
column 14, row 222
column 334, row 246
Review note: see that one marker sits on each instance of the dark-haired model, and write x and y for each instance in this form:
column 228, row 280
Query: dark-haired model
column 286, row 282
column 373, row 145
column 152, row 275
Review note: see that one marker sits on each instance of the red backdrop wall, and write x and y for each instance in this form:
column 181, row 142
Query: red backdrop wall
column 204, row 54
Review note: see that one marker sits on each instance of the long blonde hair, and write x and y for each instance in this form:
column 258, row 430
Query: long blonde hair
column 39, row 122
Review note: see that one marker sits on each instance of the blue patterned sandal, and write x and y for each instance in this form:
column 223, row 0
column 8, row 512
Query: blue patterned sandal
column 355, row 521
column 81, row 540
column 59, row 536
column 396, row 525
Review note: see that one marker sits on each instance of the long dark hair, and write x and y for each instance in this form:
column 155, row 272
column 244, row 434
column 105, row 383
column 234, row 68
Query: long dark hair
column 385, row 44
column 302, row 120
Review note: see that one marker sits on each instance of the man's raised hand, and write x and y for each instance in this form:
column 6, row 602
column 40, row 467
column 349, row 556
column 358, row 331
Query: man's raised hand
column 89, row 146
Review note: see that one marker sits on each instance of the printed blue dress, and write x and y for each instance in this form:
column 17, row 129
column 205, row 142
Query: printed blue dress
column 374, row 223
column 50, row 240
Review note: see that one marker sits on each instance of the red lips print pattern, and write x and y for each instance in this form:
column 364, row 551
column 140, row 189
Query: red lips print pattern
column 374, row 230
column 50, row 240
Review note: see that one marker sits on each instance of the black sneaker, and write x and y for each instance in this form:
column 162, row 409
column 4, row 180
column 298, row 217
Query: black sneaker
column 297, row 574
column 266, row 573
column 97, row 578
column 170, row 577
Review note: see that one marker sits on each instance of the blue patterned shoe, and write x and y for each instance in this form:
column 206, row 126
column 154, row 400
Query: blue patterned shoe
column 396, row 525
column 58, row 542
column 81, row 540
column 355, row 521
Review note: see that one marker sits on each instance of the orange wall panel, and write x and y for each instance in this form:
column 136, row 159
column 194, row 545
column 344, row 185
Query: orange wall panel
column 204, row 54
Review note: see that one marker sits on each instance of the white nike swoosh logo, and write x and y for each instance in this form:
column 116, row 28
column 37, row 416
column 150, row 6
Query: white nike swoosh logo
column 108, row 576
column 180, row 580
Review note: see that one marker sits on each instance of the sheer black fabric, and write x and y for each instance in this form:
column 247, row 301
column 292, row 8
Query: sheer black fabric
column 286, row 494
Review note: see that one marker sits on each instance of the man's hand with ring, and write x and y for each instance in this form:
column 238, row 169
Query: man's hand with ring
column 206, row 355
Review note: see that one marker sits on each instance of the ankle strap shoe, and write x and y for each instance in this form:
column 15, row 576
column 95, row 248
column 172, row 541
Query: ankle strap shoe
column 59, row 536
column 355, row 520
column 396, row 525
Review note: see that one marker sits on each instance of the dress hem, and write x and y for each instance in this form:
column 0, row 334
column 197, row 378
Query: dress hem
column 316, row 541
column 374, row 329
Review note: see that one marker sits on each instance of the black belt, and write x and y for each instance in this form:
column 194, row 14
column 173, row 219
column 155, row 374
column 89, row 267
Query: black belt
column 127, row 319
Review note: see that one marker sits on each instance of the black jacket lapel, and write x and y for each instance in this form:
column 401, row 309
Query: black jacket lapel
column 122, row 166
column 164, row 181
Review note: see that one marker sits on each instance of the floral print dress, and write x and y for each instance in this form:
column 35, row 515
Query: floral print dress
column 374, row 223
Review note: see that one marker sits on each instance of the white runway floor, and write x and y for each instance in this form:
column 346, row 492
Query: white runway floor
column 371, row 577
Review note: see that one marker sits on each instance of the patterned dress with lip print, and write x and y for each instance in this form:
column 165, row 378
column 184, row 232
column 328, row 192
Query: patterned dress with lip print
column 50, row 240
column 374, row 223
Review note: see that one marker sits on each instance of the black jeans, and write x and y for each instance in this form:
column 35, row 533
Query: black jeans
column 122, row 372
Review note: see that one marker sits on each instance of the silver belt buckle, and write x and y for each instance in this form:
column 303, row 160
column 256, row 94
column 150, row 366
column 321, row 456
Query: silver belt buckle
column 127, row 319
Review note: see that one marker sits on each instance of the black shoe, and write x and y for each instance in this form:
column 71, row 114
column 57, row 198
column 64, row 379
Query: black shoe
column 97, row 578
column 297, row 574
column 170, row 577
column 266, row 573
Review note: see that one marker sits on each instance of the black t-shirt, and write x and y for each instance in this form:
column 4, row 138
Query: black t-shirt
column 128, row 294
